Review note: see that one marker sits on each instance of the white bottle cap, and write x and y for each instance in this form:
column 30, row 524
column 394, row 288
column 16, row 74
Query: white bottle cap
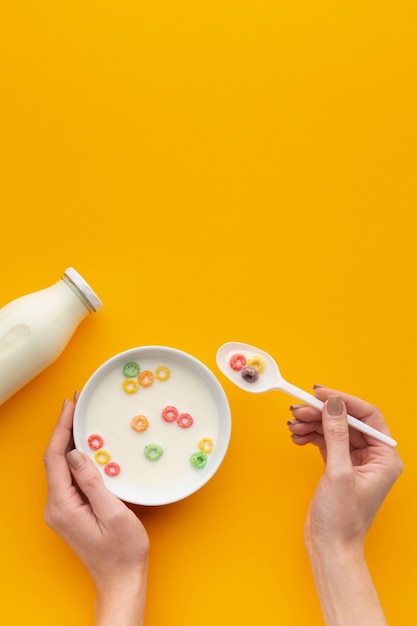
column 84, row 287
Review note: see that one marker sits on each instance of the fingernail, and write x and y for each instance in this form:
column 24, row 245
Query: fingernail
column 76, row 395
column 75, row 459
column 294, row 407
column 65, row 404
column 317, row 386
column 292, row 422
column 335, row 406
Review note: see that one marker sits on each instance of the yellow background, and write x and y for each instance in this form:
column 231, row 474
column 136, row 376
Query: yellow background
column 223, row 170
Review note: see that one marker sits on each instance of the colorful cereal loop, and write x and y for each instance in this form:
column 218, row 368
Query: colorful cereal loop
column 162, row 373
column 153, row 452
column 146, row 378
column 237, row 361
column 198, row 459
column 132, row 369
column 130, row 385
column 258, row 363
column 250, row 374
column 102, row 457
column 206, row 445
column 169, row 414
column 139, row 423
column 112, row 469
column 95, row 442
column 184, row 420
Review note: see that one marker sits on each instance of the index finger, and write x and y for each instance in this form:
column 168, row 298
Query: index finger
column 356, row 407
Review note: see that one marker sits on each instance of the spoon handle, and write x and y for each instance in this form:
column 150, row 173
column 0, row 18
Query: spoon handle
column 311, row 400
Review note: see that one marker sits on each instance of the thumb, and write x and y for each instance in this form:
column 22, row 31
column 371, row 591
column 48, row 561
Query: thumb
column 336, row 433
column 90, row 482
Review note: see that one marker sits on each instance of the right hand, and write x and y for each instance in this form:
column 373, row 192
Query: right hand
column 359, row 470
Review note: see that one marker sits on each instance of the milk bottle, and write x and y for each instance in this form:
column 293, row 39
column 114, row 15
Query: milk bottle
column 35, row 328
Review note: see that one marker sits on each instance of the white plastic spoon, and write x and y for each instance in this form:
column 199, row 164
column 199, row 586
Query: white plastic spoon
column 271, row 379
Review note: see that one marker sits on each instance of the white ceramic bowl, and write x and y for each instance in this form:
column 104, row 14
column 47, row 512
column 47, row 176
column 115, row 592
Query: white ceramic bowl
column 105, row 409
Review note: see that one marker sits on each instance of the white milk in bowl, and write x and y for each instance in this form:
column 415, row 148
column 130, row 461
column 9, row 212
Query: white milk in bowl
column 156, row 423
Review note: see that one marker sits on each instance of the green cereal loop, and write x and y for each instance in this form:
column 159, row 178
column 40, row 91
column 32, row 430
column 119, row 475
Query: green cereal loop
column 132, row 369
column 153, row 451
column 198, row 459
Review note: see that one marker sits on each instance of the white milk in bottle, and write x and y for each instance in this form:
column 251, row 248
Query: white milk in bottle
column 35, row 328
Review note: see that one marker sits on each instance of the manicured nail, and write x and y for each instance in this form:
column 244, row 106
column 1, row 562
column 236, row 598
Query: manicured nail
column 335, row 406
column 294, row 407
column 65, row 404
column 292, row 422
column 317, row 386
column 75, row 459
column 76, row 396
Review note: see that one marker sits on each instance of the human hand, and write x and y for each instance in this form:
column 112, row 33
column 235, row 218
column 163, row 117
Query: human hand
column 359, row 470
column 104, row 533
column 359, row 473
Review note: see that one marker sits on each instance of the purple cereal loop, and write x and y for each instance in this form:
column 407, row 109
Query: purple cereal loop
column 250, row 374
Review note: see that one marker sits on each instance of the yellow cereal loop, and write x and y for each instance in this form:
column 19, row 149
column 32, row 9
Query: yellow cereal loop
column 102, row 457
column 162, row 373
column 130, row 385
column 206, row 445
column 258, row 363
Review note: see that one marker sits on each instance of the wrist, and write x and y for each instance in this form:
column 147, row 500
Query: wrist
column 344, row 585
column 326, row 561
column 326, row 550
column 121, row 601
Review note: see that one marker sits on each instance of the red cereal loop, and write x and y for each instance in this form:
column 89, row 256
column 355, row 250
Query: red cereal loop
column 112, row 469
column 184, row 420
column 95, row 442
column 237, row 361
column 169, row 414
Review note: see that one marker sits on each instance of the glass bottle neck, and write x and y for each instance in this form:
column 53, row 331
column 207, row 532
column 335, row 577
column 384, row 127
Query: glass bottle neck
column 78, row 293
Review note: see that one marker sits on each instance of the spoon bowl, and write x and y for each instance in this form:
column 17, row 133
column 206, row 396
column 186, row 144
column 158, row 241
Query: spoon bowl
column 271, row 376
column 234, row 358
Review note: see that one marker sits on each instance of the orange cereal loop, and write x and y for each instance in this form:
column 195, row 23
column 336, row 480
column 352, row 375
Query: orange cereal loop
column 139, row 423
column 162, row 372
column 102, row 457
column 206, row 445
column 130, row 385
column 146, row 378
column 258, row 363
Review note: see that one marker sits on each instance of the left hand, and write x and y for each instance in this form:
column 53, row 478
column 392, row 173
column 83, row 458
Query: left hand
column 105, row 534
